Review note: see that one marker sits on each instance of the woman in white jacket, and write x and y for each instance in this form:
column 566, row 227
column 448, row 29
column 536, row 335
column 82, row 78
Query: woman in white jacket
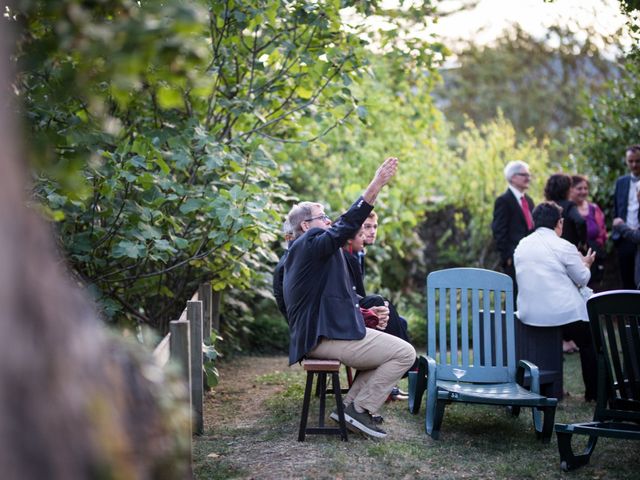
column 549, row 271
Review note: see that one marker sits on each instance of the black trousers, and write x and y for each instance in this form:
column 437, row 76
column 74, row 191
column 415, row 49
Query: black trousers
column 511, row 271
column 627, row 263
column 580, row 333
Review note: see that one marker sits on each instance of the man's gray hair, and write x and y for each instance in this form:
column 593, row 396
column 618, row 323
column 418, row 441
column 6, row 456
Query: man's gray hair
column 513, row 167
column 298, row 214
column 286, row 228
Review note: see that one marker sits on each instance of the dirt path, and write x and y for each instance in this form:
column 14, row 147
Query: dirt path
column 251, row 422
column 243, row 440
column 237, row 400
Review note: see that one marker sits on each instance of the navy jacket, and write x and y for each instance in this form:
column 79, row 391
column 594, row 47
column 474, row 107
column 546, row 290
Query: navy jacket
column 621, row 203
column 355, row 272
column 278, row 279
column 509, row 225
column 621, row 197
column 318, row 294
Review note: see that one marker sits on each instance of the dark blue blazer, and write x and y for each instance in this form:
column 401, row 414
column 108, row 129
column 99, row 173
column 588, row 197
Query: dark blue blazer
column 620, row 202
column 355, row 272
column 621, row 197
column 318, row 293
column 278, row 279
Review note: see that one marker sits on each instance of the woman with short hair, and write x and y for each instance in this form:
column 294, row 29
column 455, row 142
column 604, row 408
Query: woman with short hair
column 549, row 271
column 557, row 190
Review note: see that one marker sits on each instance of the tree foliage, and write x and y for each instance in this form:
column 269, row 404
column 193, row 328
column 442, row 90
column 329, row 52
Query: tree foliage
column 472, row 179
column 399, row 119
column 166, row 113
column 155, row 130
column 537, row 83
column 612, row 122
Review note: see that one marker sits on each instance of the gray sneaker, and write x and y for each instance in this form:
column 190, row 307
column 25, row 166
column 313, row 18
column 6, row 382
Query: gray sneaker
column 363, row 422
column 377, row 419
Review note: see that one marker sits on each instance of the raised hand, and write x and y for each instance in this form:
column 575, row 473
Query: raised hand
column 385, row 172
column 589, row 258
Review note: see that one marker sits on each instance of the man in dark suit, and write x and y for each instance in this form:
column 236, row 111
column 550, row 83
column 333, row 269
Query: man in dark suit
column 626, row 207
column 512, row 214
column 324, row 312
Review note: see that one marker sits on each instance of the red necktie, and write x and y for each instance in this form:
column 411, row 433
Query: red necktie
column 526, row 212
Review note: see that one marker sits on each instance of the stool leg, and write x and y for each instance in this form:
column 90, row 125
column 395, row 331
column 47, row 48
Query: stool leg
column 305, row 407
column 322, row 380
column 335, row 379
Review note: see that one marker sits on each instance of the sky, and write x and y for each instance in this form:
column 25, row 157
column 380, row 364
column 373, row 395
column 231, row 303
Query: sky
column 491, row 17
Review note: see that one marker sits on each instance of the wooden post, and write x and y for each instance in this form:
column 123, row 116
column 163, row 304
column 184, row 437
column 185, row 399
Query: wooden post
column 194, row 317
column 215, row 310
column 179, row 348
column 179, row 342
column 205, row 295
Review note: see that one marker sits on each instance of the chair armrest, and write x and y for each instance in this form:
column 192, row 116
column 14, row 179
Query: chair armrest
column 526, row 366
column 431, row 365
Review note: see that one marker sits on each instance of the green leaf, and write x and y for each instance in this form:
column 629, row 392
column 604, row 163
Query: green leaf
column 126, row 248
column 191, row 205
column 163, row 165
column 169, row 98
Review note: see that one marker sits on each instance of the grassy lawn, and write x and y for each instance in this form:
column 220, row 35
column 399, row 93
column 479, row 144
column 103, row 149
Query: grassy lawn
column 475, row 441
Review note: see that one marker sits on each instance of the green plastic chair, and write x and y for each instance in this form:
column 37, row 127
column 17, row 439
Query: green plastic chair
column 471, row 351
column 614, row 318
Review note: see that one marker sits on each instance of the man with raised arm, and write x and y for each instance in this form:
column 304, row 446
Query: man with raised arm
column 323, row 311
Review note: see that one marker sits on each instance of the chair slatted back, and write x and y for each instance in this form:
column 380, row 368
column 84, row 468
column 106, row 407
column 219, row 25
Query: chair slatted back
column 615, row 325
column 463, row 329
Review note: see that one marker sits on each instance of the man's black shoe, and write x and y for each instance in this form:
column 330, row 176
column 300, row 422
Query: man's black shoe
column 362, row 422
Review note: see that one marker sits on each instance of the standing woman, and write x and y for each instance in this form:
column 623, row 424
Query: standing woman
column 596, row 229
column 575, row 228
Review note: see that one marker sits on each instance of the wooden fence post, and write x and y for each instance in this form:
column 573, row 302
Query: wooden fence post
column 194, row 317
column 205, row 295
column 179, row 342
column 215, row 310
column 179, row 348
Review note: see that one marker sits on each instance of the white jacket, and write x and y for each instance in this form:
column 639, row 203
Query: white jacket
column 548, row 271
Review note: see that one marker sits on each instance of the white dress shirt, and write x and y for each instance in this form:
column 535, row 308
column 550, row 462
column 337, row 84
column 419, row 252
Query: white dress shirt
column 632, row 205
column 517, row 193
column 548, row 271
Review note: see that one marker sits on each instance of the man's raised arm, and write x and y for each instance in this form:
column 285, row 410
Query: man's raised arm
column 383, row 175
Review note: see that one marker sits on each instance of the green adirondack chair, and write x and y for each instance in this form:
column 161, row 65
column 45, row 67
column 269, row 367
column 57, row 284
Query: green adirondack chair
column 614, row 318
column 471, row 351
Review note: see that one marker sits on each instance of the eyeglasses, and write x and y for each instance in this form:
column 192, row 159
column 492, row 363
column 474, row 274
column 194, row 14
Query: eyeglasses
column 526, row 175
column 323, row 217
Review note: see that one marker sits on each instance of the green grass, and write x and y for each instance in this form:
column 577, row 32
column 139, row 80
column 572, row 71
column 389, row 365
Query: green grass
column 476, row 442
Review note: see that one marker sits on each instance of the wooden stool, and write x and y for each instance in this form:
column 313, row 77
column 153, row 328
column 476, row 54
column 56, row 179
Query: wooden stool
column 350, row 378
column 321, row 368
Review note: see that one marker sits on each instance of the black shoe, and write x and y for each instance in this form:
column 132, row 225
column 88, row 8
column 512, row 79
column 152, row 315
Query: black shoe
column 396, row 391
column 363, row 422
column 377, row 419
column 398, row 395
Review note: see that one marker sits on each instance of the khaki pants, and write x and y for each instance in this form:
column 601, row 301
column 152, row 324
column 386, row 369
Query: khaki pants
column 381, row 360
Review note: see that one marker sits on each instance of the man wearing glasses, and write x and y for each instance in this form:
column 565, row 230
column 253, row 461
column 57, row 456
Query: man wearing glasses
column 512, row 219
column 323, row 310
